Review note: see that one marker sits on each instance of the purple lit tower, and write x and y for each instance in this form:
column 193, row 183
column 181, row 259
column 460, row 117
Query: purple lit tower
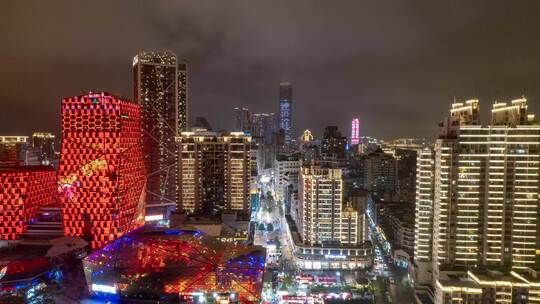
column 355, row 132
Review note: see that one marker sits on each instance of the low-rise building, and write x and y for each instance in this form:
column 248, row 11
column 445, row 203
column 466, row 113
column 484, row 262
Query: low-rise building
column 23, row 190
column 489, row 286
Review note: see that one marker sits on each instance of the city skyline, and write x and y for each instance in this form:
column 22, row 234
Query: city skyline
column 270, row 152
column 380, row 77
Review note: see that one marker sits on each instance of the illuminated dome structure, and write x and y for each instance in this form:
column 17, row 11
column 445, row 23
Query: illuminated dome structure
column 181, row 266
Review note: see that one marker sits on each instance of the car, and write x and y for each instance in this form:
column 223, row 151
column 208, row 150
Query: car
column 391, row 280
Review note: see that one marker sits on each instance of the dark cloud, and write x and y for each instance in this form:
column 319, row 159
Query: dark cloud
column 395, row 64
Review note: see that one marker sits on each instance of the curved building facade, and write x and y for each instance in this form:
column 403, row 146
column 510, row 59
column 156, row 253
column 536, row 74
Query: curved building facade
column 101, row 173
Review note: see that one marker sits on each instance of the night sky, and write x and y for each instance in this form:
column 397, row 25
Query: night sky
column 397, row 65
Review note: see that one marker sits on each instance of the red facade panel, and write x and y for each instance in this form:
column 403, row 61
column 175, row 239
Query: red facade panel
column 22, row 191
column 101, row 171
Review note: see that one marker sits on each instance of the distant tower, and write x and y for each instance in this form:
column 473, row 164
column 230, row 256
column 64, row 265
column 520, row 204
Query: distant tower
column 263, row 126
column 160, row 87
column 355, row 132
column 307, row 136
column 285, row 110
column 242, row 120
column 333, row 144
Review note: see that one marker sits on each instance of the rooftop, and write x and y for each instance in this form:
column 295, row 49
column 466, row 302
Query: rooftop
column 160, row 261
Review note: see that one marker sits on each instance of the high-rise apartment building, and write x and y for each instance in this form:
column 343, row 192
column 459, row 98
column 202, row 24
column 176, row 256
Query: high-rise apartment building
column 263, row 129
column 101, row 171
column 330, row 226
column 214, row 172
column 263, row 126
column 242, row 120
column 406, row 161
column 355, row 132
column 321, row 195
column 285, row 110
column 161, row 89
column 485, row 198
column 381, row 174
column 333, row 144
column 423, row 226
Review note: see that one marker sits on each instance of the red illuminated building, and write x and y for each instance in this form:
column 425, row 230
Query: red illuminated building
column 22, row 191
column 101, row 173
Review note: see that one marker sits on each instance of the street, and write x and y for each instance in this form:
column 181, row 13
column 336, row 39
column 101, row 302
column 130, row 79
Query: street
column 293, row 285
column 392, row 281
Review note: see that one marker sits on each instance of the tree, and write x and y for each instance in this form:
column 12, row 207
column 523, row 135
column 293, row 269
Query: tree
column 270, row 227
column 288, row 281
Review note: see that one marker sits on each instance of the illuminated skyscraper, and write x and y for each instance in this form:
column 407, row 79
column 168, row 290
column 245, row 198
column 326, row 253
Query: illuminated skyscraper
column 160, row 87
column 321, row 195
column 424, row 216
column 355, row 132
column 486, row 187
column 485, row 194
column 214, row 172
column 101, row 172
column 307, row 136
column 285, row 110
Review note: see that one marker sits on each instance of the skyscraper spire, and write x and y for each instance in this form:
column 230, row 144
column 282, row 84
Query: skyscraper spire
column 285, row 110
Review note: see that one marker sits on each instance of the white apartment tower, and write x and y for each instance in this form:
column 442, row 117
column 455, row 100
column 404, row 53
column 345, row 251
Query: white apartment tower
column 321, row 202
column 485, row 183
column 324, row 216
column 423, row 227
column 445, row 232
